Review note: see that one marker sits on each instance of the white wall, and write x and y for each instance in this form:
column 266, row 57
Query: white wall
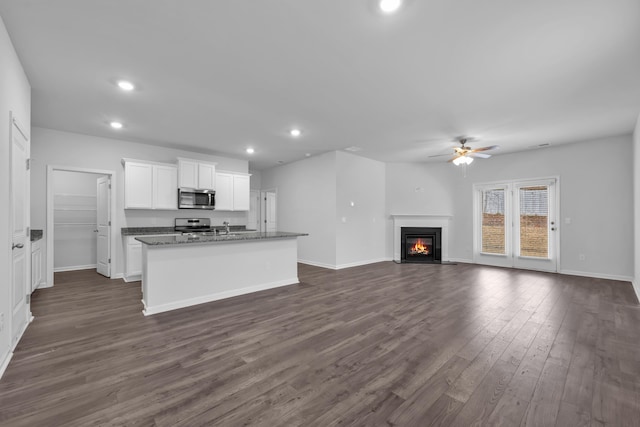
column 51, row 147
column 413, row 188
column 306, row 193
column 360, row 229
column 636, row 209
column 75, row 242
column 596, row 192
column 15, row 95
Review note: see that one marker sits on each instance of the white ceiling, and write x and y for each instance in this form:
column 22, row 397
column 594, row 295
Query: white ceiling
column 219, row 76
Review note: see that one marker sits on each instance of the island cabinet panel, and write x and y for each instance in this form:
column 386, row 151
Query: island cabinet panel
column 150, row 185
column 177, row 276
column 196, row 174
column 232, row 191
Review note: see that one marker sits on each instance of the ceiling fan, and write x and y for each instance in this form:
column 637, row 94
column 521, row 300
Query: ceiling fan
column 464, row 155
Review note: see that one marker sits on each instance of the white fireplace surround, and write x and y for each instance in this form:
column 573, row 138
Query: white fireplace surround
column 420, row 220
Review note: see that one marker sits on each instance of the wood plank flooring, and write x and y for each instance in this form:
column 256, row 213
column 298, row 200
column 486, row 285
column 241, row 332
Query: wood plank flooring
column 378, row 345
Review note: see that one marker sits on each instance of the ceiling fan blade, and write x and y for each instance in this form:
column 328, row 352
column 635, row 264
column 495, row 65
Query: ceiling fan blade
column 479, row 155
column 491, row 147
column 453, row 158
column 440, row 155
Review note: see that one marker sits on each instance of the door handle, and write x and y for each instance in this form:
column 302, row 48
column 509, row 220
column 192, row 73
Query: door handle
column 19, row 246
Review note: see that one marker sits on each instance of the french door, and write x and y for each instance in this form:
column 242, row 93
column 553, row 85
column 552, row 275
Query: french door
column 515, row 224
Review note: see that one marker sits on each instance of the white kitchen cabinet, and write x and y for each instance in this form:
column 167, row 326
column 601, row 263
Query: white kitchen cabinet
column 150, row 185
column 196, row 174
column 232, row 191
column 241, row 192
column 36, row 264
column 133, row 259
column 224, row 191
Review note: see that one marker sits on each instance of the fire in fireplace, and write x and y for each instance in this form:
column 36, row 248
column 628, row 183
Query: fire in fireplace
column 421, row 244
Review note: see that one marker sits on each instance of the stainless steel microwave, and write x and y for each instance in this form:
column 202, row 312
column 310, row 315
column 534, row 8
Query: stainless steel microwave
column 196, row 199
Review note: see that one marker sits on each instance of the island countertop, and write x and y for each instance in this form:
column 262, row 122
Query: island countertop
column 189, row 239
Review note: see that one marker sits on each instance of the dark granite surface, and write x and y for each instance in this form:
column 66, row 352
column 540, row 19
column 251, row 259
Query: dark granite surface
column 141, row 231
column 245, row 236
column 36, row 235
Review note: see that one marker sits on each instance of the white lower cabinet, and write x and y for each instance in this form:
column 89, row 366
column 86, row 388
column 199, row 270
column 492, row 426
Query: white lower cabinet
column 133, row 257
column 36, row 264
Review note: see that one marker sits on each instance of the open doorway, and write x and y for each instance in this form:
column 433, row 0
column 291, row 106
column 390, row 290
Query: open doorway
column 80, row 208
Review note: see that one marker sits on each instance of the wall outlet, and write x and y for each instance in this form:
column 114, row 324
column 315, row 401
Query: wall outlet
column 581, row 257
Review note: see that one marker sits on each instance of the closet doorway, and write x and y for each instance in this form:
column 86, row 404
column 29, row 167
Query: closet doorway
column 80, row 209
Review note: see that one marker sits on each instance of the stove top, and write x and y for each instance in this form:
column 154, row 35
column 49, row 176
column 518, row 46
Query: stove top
column 193, row 225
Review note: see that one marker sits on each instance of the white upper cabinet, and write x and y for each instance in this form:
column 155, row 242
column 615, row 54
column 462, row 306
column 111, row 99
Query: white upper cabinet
column 165, row 187
column 232, row 191
column 224, row 191
column 241, row 193
column 196, row 174
column 150, row 185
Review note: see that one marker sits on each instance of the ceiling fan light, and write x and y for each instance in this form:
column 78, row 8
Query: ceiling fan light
column 462, row 160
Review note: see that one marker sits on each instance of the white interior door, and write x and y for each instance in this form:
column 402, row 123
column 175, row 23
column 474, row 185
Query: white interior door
column 103, row 208
column 20, row 285
column 253, row 221
column 269, row 211
column 516, row 224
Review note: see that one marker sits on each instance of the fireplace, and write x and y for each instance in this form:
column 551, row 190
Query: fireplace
column 421, row 244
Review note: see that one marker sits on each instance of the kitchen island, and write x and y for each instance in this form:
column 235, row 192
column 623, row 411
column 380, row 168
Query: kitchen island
column 181, row 271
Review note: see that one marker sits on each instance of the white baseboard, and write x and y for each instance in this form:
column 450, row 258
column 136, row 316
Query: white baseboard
column 5, row 363
column 461, row 260
column 317, row 264
column 74, row 268
column 636, row 288
column 118, row 276
column 359, row 263
column 597, row 275
column 217, row 296
column 133, row 278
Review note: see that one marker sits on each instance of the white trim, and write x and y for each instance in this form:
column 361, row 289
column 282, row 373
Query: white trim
column 49, row 232
column 341, row 266
column 217, row 296
column 74, row 268
column 132, row 278
column 462, row 260
column 597, row 275
column 317, row 264
column 5, row 363
column 636, row 288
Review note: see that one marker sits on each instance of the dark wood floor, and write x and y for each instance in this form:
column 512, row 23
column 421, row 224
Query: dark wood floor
column 383, row 344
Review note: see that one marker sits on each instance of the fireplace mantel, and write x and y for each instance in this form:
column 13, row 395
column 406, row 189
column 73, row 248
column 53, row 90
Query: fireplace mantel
column 420, row 220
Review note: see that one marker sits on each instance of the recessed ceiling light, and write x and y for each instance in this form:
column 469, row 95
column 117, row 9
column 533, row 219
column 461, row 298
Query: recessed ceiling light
column 125, row 85
column 250, row 150
column 295, row 132
column 389, row 6
column 116, row 125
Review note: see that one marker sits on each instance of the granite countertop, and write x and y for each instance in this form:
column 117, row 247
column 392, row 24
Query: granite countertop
column 245, row 236
column 36, row 235
column 141, row 231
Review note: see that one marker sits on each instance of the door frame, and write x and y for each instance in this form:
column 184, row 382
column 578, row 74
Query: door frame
column 508, row 260
column 49, row 231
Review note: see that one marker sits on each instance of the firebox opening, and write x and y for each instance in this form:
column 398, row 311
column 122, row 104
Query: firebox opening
column 421, row 244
